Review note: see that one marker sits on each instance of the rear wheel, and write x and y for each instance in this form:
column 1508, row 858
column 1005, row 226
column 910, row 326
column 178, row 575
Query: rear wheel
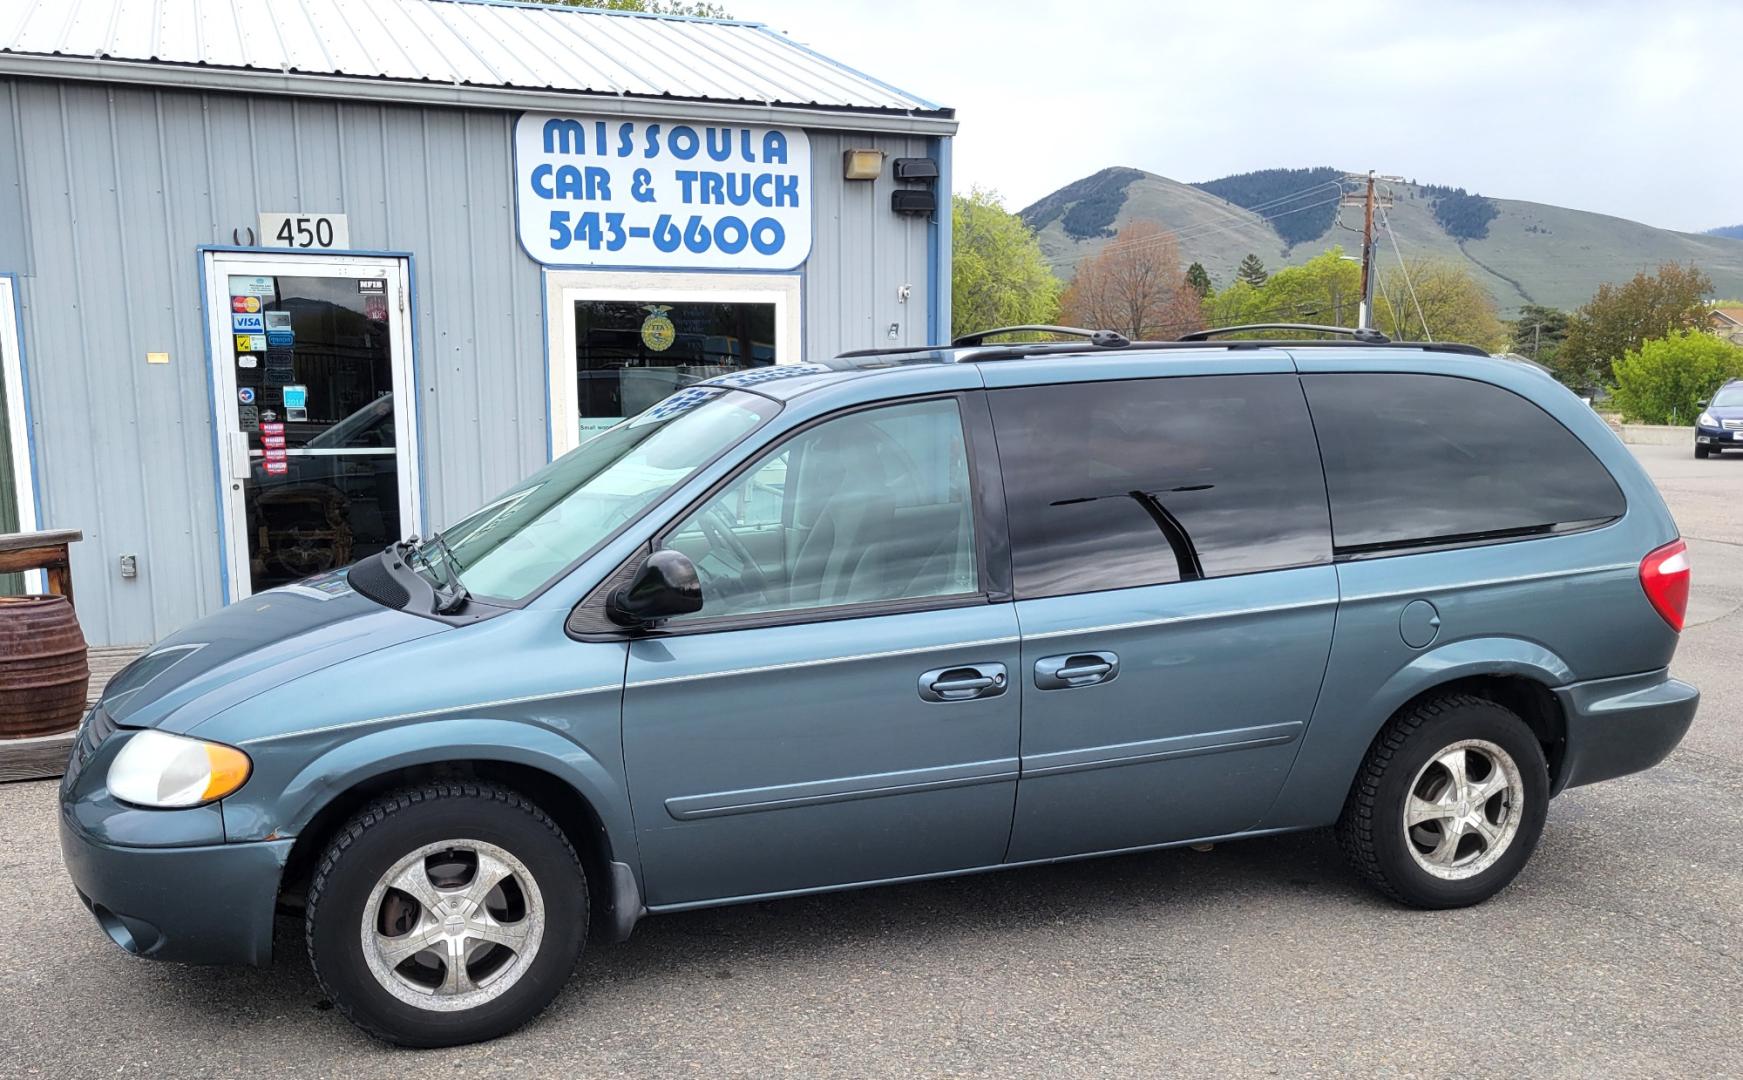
column 1449, row 804
column 446, row 914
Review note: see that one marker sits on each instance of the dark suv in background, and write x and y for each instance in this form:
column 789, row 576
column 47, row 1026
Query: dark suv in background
column 1720, row 425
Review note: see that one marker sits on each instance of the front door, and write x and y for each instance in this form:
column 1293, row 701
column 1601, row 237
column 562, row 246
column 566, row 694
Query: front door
column 17, row 509
column 312, row 392
column 842, row 709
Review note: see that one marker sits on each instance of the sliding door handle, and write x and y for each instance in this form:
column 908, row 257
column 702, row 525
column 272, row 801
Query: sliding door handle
column 1075, row 669
column 964, row 683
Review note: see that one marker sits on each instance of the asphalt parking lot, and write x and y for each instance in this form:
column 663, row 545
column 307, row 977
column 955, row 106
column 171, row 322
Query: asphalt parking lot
column 1619, row 952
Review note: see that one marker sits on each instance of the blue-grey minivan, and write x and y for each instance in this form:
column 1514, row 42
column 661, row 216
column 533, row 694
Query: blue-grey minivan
column 895, row 616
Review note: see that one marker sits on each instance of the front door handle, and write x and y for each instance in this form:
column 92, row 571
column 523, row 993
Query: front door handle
column 1075, row 669
column 965, row 682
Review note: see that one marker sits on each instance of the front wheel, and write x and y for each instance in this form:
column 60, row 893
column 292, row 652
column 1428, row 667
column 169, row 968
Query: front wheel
column 1701, row 451
column 1449, row 804
column 446, row 914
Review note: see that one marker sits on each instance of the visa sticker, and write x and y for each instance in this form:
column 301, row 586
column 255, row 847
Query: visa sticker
column 245, row 323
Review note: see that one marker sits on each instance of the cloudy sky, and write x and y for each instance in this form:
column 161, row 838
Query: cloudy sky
column 1623, row 108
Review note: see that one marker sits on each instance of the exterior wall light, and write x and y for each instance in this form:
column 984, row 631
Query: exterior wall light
column 862, row 164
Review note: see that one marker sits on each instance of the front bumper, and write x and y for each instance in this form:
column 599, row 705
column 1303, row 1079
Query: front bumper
column 1620, row 726
column 1723, row 438
column 195, row 905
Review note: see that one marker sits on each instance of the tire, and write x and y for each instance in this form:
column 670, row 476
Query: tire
column 1701, row 451
column 446, row 842
column 1453, row 858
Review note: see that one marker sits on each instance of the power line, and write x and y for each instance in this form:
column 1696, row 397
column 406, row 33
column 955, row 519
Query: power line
column 1195, row 233
column 1405, row 270
column 1211, row 227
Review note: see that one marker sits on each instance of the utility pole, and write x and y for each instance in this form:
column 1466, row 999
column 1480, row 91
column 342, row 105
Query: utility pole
column 1368, row 200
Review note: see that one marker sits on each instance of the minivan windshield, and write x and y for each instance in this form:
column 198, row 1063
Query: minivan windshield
column 512, row 546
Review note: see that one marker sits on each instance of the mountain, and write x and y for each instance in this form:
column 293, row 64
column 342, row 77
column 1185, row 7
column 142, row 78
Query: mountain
column 1735, row 232
column 1523, row 252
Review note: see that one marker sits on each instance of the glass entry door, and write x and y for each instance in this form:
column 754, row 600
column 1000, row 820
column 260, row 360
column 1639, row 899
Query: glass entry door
column 17, row 509
column 625, row 347
column 314, row 412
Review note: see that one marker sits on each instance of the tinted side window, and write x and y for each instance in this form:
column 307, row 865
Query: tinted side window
column 1425, row 459
column 870, row 507
column 1144, row 481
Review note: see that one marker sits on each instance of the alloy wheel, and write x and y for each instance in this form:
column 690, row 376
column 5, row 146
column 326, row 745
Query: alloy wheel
column 1463, row 809
column 452, row 925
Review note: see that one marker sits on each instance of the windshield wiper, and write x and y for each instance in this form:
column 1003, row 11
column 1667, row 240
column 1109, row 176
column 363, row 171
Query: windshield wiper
column 453, row 595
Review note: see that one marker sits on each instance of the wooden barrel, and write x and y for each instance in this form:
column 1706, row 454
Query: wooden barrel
column 43, row 668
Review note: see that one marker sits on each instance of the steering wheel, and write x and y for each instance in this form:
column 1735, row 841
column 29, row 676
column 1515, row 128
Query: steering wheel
column 717, row 528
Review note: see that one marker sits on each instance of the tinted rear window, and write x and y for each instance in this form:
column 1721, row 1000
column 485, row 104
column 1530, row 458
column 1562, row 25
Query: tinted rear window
column 1432, row 459
column 1140, row 482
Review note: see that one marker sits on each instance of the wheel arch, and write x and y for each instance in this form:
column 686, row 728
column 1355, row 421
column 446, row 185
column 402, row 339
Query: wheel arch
column 1518, row 674
column 579, row 793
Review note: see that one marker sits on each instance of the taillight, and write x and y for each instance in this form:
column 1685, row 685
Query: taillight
column 1664, row 575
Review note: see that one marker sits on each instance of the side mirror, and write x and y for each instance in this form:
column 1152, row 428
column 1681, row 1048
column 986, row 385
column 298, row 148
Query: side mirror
column 666, row 585
column 1703, row 403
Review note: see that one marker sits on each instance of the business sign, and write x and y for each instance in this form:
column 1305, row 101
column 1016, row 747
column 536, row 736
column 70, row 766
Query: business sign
column 604, row 191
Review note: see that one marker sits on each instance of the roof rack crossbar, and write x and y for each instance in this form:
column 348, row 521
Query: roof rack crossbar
column 1107, row 339
column 1362, row 334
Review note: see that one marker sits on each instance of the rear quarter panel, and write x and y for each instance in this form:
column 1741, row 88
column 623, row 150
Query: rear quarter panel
column 1558, row 609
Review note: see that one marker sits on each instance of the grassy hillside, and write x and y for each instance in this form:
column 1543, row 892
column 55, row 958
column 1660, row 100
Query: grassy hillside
column 1531, row 253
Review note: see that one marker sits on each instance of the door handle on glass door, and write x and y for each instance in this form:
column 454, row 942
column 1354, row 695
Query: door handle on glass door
column 1075, row 669
column 965, row 682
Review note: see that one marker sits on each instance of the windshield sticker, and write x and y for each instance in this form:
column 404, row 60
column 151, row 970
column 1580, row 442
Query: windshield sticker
column 244, row 305
column 247, row 324
column 756, row 376
column 681, row 402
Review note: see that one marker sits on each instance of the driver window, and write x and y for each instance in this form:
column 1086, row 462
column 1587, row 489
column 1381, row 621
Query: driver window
column 871, row 506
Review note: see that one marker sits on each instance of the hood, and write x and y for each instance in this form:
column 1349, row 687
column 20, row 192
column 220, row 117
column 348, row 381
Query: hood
column 253, row 646
column 1724, row 412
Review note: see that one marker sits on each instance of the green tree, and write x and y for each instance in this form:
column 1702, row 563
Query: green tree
column 1618, row 318
column 998, row 276
column 1251, row 270
column 1539, row 332
column 652, row 7
column 1660, row 382
column 1439, row 299
column 1325, row 289
column 1198, row 279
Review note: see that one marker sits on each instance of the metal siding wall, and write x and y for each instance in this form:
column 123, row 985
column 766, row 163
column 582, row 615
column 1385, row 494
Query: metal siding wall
column 862, row 253
column 105, row 194
column 121, row 185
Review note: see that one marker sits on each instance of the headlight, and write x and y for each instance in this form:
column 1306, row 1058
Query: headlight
column 161, row 770
column 1706, row 420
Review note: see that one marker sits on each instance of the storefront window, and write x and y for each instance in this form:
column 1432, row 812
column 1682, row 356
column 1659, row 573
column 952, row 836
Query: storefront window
column 630, row 354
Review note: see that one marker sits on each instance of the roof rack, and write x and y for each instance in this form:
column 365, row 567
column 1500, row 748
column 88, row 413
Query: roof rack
column 1106, row 339
column 1362, row 334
